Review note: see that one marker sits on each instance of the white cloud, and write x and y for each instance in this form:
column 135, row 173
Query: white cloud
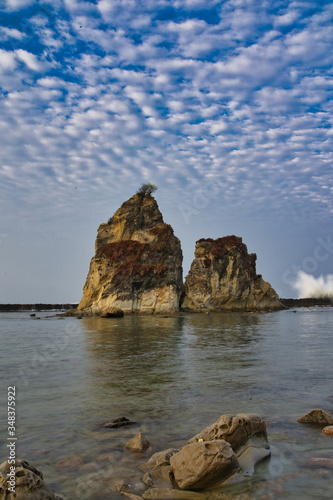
column 7, row 60
column 8, row 33
column 12, row 5
column 30, row 60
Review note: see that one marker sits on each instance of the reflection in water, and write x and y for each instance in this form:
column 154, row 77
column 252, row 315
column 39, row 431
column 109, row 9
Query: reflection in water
column 173, row 376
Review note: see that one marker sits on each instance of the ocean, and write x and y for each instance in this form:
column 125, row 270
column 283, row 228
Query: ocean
column 173, row 376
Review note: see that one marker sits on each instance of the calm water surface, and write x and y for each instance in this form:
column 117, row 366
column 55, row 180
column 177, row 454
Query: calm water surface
column 173, row 376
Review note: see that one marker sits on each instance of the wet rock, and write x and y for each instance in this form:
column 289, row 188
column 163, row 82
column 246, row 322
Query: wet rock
column 250, row 457
column 29, row 483
column 118, row 422
column 159, row 459
column 316, row 416
column 161, row 477
column 202, row 464
column 328, row 430
column 138, row 443
column 117, row 484
column 239, row 430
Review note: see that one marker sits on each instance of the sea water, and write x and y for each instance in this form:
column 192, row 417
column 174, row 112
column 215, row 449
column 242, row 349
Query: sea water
column 173, row 376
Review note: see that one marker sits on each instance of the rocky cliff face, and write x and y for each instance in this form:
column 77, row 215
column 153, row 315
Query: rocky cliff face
column 137, row 265
column 223, row 277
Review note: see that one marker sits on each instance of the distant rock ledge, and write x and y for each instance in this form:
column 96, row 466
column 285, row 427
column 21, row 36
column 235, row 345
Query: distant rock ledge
column 309, row 302
column 137, row 268
column 36, row 307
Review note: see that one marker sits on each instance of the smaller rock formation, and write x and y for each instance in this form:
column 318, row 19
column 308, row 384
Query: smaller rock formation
column 328, row 430
column 317, row 417
column 138, row 443
column 223, row 278
column 29, row 483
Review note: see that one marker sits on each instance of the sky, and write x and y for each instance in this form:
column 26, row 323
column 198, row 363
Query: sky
column 225, row 106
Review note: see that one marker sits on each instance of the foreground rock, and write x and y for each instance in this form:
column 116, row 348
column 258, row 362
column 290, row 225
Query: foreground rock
column 137, row 265
column 223, row 278
column 328, row 430
column 225, row 451
column 200, row 465
column 29, row 483
column 317, row 417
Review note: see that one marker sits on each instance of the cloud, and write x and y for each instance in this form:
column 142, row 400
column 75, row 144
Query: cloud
column 12, row 5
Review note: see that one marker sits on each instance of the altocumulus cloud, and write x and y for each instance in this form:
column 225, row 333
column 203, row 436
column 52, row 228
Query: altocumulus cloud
column 98, row 95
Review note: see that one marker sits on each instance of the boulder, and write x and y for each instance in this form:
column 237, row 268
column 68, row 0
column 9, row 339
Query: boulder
column 223, row 277
column 317, row 417
column 29, row 483
column 202, row 464
column 239, row 430
column 138, row 443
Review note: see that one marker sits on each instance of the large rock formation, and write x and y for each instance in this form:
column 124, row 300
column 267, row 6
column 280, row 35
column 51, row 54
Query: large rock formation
column 223, row 277
column 137, row 265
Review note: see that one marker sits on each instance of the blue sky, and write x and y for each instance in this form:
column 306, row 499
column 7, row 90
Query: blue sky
column 225, row 106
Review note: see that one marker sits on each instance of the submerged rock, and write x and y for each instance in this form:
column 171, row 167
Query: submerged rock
column 137, row 265
column 29, row 483
column 328, row 430
column 118, row 422
column 316, row 416
column 223, row 278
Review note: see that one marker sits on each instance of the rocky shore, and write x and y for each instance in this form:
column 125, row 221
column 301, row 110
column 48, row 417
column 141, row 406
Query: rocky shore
column 217, row 463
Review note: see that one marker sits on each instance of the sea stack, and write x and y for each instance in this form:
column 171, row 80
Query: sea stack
column 137, row 265
column 223, row 278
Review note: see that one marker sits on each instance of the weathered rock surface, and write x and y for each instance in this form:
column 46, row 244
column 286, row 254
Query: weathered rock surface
column 223, row 278
column 29, row 483
column 316, row 416
column 200, row 465
column 239, row 430
column 138, row 443
column 137, row 265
